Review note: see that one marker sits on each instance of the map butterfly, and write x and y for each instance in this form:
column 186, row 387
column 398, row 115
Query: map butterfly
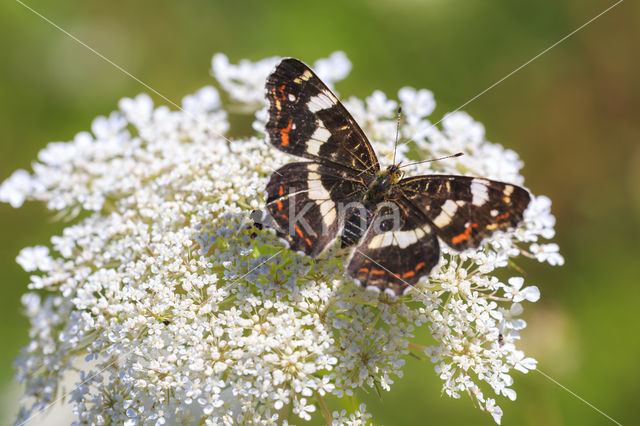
column 341, row 192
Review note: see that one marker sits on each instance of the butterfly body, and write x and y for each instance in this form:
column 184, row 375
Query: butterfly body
column 382, row 186
column 342, row 193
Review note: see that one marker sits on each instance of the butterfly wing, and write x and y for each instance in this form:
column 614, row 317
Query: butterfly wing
column 306, row 119
column 306, row 200
column 465, row 210
column 398, row 248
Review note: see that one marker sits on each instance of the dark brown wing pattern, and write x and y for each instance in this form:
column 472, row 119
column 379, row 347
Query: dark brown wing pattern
column 306, row 119
column 397, row 250
column 306, row 202
column 465, row 210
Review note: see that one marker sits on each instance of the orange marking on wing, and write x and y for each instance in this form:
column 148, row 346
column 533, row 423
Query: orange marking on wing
column 503, row 216
column 284, row 216
column 281, row 191
column 363, row 270
column 420, row 265
column 408, row 274
column 282, row 96
column 308, row 241
column 279, row 204
column 298, row 231
column 465, row 235
column 284, row 134
column 377, row 272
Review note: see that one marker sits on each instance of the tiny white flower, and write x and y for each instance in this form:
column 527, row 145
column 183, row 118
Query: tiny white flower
column 334, row 68
column 281, row 397
column 416, row 104
column 302, row 409
column 16, row 188
column 109, row 127
column 518, row 294
column 494, row 410
column 462, row 128
column 35, row 258
column 204, row 100
column 244, row 81
column 547, row 253
column 138, row 110
column 379, row 106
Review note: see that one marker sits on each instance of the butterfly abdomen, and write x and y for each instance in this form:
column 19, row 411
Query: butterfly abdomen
column 356, row 223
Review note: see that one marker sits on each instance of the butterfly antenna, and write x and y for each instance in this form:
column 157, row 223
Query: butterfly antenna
column 395, row 147
column 433, row 159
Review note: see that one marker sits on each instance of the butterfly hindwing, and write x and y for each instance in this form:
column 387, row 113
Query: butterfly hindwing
column 306, row 119
column 305, row 200
column 398, row 248
column 465, row 210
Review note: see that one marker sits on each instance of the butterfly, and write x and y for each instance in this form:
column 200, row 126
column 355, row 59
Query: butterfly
column 341, row 192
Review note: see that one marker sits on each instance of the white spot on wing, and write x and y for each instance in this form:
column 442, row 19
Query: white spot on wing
column 450, row 207
column 448, row 210
column 319, row 193
column 376, row 242
column 401, row 239
column 388, row 239
column 323, row 100
column 405, row 238
column 316, row 190
column 320, row 136
column 328, row 211
column 479, row 192
column 313, row 146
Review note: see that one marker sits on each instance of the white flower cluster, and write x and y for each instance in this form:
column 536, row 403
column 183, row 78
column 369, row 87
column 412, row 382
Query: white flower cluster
column 177, row 309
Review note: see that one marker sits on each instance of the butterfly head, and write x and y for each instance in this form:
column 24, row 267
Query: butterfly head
column 388, row 177
column 394, row 173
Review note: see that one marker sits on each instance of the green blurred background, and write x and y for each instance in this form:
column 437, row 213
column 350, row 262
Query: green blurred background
column 572, row 115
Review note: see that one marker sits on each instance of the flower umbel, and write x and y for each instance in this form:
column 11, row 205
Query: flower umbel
column 175, row 308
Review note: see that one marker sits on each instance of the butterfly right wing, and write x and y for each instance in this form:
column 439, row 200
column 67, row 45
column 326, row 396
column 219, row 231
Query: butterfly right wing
column 306, row 119
column 465, row 210
column 397, row 250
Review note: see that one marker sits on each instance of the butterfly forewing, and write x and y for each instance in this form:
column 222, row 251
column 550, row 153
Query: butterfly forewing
column 465, row 210
column 306, row 119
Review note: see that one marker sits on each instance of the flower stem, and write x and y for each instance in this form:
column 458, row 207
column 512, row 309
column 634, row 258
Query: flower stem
column 323, row 407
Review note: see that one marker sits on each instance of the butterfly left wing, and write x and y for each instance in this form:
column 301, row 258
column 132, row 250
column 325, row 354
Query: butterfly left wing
column 465, row 210
column 306, row 119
